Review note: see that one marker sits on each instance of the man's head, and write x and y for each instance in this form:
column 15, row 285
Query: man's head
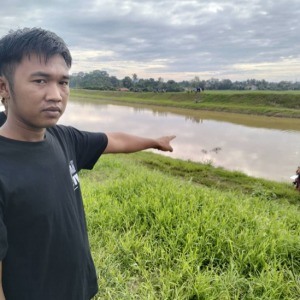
column 23, row 43
column 34, row 76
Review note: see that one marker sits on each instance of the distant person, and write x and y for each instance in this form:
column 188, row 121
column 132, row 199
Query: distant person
column 44, row 247
column 3, row 114
column 297, row 180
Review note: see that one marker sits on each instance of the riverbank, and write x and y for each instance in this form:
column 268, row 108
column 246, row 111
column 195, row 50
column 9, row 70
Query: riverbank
column 276, row 104
column 207, row 175
column 167, row 229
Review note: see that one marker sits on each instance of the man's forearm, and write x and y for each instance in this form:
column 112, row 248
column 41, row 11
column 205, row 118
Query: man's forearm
column 126, row 143
column 133, row 143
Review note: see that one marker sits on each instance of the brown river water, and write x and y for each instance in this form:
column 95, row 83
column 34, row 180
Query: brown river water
column 258, row 146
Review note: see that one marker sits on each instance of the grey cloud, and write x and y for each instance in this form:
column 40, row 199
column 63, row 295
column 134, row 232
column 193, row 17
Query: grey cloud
column 194, row 36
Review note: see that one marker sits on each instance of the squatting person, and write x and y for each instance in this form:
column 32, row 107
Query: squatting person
column 44, row 247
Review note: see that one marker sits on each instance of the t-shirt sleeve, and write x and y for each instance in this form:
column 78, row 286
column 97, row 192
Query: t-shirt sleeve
column 89, row 146
column 3, row 232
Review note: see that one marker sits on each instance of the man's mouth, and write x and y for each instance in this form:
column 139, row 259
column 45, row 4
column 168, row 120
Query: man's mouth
column 52, row 111
column 52, row 108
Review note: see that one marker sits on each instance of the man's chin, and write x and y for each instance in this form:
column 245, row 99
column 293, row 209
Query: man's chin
column 50, row 122
column 49, row 125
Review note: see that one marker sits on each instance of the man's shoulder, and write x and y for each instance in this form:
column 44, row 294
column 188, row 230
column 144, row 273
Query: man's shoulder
column 60, row 130
column 61, row 133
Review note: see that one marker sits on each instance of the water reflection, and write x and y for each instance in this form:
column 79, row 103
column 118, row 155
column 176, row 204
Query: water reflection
column 198, row 116
column 262, row 147
column 194, row 119
column 155, row 112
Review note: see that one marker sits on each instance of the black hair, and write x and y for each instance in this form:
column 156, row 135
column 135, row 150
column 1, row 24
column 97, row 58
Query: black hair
column 27, row 41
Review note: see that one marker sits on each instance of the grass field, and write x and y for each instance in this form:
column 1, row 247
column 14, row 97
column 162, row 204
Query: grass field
column 279, row 104
column 156, row 233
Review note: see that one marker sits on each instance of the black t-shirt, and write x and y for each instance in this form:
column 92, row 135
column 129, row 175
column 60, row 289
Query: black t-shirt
column 2, row 118
column 44, row 244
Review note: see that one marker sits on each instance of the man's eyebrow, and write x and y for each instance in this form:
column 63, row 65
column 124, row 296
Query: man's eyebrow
column 42, row 74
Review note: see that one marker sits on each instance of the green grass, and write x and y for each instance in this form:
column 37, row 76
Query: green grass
column 280, row 104
column 206, row 175
column 158, row 236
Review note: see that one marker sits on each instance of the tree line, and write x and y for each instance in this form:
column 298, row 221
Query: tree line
column 101, row 80
column 249, row 84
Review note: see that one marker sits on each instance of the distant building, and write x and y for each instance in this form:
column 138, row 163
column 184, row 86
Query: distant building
column 251, row 87
column 124, row 90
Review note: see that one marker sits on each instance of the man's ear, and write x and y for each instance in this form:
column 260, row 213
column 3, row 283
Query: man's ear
column 4, row 88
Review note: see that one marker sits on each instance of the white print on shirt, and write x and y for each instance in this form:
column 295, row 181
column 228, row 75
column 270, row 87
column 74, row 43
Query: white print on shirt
column 74, row 175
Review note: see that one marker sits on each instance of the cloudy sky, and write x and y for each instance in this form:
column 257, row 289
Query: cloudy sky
column 173, row 39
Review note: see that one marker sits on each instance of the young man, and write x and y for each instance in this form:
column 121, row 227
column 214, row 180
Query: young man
column 3, row 114
column 44, row 248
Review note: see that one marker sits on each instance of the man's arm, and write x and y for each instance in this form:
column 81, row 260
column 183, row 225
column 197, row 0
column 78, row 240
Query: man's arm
column 1, row 290
column 126, row 143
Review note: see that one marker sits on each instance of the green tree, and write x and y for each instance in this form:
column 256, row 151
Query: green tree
column 127, row 82
column 134, row 77
column 195, row 82
column 114, row 81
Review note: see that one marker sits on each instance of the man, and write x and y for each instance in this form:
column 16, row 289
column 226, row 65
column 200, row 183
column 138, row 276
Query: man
column 44, row 248
column 3, row 114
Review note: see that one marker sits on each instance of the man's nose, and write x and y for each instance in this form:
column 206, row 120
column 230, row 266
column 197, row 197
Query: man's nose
column 53, row 93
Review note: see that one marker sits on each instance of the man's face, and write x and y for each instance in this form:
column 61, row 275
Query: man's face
column 41, row 91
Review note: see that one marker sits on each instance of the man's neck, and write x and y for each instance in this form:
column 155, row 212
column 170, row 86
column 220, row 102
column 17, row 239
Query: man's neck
column 21, row 132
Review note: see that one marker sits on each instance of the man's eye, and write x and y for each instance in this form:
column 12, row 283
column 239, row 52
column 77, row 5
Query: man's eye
column 40, row 81
column 64, row 83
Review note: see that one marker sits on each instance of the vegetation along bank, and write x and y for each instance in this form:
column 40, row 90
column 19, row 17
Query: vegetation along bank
column 183, row 230
column 277, row 104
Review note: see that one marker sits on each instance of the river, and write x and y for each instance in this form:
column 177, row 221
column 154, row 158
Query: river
column 258, row 146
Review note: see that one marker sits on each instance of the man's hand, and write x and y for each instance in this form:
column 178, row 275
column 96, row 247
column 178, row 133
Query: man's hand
column 164, row 143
